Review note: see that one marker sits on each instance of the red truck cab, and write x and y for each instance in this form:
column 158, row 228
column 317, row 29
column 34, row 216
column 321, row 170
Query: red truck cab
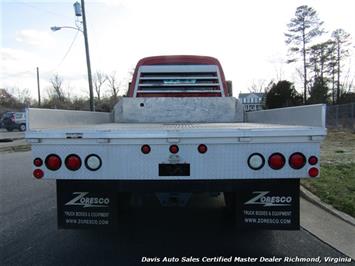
column 178, row 76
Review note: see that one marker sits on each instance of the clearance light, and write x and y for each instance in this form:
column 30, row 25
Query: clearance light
column 297, row 160
column 73, row 162
column 38, row 162
column 256, row 161
column 93, row 162
column 145, row 149
column 202, row 148
column 174, row 149
column 312, row 160
column 38, row 173
column 313, row 172
column 276, row 161
column 53, row 162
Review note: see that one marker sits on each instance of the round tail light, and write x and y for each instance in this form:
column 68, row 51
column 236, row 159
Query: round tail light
column 38, row 173
column 276, row 161
column 312, row 160
column 93, row 162
column 202, row 148
column 297, row 160
column 256, row 161
column 174, row 149
column 38, row 162
column 313, row 172
column 73, row 162
column 53, row 162
column 145, row 149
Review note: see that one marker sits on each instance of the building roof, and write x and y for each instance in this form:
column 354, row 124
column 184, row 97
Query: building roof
column 244, row 95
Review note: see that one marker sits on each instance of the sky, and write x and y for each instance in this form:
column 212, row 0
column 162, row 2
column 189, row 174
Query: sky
column 246, row 36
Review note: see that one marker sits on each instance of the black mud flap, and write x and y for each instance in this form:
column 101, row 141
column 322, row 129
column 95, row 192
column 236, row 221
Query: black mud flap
column 86, row 205
column 268, row 204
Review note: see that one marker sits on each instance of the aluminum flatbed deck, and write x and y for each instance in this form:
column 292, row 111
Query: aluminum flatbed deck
column 170, row 130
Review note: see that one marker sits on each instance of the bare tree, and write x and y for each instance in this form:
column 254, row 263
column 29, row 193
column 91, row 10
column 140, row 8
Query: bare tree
column 113, row 84
column 257, row 87
column 57, row 87
column 99, row 80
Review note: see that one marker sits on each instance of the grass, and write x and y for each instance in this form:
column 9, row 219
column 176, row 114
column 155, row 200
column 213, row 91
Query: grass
column 336, row 184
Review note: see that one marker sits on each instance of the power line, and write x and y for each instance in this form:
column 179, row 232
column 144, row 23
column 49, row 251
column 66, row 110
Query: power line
column 67, row 52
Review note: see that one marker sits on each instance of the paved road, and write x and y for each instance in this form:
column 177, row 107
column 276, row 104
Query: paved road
column 4, row 134
column 28, row 233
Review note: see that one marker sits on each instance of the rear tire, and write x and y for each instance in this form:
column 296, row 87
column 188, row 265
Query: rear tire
column 22, row 127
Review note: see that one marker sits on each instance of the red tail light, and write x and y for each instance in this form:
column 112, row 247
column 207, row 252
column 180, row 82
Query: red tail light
column 53, row 162
column 276, row 161
column 73, row 162
column 174, row 149
column 313, row 172
column 38, row 173
column 145, row 149
column 312, row 160
column 38, row 162
column 297, row 160
column 202, row 148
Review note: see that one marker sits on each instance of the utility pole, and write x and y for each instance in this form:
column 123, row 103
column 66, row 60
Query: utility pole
column 92, row 107
column 80, row 11
column 39, row 89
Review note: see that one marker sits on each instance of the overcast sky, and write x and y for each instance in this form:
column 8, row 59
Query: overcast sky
column 246, row 36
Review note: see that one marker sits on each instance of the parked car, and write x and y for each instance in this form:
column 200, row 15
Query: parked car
column 14, row 120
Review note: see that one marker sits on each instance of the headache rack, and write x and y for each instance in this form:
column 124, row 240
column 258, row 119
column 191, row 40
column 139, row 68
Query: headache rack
column 162, row 79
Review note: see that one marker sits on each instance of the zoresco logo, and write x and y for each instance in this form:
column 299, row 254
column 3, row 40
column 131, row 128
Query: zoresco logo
column 83, row 200
column 263, row 199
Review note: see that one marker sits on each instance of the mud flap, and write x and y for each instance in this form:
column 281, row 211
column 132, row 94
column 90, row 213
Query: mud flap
column 86, row 205
column 268, row 204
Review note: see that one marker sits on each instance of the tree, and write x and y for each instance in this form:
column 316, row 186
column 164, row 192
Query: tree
column 319, row 59
column 99, row 80
column 282, row 94
column 7, row 99
column 348, row 97
column 302, row 29
column 258, row 87
column 57, row 88
column 113, row 84
column 319, row 92
column 342, row 41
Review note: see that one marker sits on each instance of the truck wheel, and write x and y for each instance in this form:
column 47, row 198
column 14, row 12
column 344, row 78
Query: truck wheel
column 22, row 127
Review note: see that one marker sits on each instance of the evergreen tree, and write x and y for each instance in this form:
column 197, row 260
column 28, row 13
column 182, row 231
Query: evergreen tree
column 342, row 41
column 302, row 29
column 319, row 92
column 282, row 94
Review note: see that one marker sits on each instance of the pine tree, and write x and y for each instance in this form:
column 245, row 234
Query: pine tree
column 282, row 94
column 342, row 40
column 302, row 29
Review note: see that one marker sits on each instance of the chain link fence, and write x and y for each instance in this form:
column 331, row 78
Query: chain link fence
column 341, row 116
